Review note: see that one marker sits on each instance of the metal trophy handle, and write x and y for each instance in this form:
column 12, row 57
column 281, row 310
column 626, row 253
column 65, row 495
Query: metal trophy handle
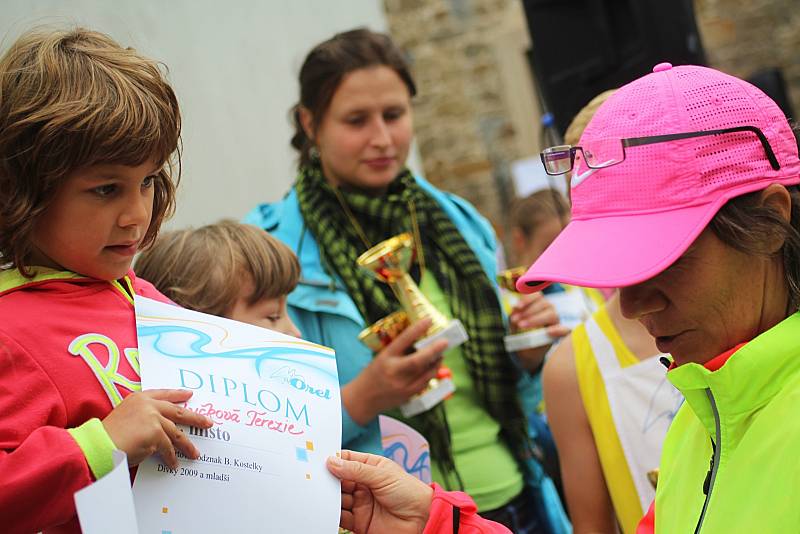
column 529, row 339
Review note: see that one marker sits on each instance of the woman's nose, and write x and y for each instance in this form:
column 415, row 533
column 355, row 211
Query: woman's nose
column 380, row 135
column 639, row 300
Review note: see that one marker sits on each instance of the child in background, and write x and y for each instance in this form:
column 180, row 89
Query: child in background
column 536, row 221
column 87, row 132
column 227, row 269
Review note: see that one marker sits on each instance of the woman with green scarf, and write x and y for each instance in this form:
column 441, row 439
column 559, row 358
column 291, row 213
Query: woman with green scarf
column 353, row 133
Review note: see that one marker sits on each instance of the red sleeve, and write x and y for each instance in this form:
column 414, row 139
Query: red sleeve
column 441, row 517
column 41, row 465
column 648, row 523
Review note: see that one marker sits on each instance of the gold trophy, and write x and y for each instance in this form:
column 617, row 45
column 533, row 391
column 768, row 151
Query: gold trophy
column 389, row 262
column 529, row 339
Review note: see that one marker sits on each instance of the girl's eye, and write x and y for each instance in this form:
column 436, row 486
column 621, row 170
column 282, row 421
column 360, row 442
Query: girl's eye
column 148, row 182
column 106, row 190
column 274, row 318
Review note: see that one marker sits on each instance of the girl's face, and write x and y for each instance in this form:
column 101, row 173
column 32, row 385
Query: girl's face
column 97, row 220
column 364, row 137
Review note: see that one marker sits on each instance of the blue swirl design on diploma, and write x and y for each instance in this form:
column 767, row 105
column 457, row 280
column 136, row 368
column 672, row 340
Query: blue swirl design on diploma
column 398, row 452
column 184, row 342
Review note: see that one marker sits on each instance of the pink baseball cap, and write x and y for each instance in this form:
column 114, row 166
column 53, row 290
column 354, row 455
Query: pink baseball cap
column 634, row 218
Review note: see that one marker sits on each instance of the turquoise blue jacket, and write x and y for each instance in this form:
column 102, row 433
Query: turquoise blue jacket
column 325, row 313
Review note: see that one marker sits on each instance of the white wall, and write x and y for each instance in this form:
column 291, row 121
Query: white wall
column 234, row 68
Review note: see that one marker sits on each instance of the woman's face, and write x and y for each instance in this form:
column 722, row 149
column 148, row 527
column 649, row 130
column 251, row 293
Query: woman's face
column 711, row 299
column 364, row 136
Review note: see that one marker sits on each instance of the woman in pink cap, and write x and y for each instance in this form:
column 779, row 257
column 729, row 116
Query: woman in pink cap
column 685, row 195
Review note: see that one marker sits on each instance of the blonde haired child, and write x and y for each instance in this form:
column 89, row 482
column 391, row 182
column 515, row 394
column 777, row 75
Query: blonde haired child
column 88, row 131
column 228, row 269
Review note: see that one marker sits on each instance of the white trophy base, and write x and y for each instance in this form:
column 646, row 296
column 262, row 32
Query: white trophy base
column 528, row 340
column 454, row 333
column 429, row 398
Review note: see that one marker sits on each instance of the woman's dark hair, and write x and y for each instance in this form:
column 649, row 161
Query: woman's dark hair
column 746, row 225
column 329, row 62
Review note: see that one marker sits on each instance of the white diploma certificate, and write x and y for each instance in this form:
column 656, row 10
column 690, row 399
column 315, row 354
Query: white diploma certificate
column 276, row 407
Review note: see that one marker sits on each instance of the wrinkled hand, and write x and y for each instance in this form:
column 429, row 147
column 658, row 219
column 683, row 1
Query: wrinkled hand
column 146, row 422
column 378, row 496
column 535, row 311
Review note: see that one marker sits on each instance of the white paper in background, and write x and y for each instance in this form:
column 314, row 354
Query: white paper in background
column 572, row 305
column 406, row 446
column 107, row 505
column 277, row 411
column 529, row 177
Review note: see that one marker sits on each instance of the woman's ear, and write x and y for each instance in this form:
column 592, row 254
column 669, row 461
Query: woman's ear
column 306, row 121
column 777, row 198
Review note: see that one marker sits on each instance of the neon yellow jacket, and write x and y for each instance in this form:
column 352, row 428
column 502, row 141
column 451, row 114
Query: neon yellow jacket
column 737, row 437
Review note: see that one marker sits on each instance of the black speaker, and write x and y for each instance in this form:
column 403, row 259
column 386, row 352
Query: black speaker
column 584, row 47
column 771, row 81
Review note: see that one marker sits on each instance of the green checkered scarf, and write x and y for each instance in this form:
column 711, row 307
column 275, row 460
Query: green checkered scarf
column 471, row 294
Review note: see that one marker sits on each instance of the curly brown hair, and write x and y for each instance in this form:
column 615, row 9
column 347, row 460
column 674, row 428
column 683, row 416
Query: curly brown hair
column 70, row 99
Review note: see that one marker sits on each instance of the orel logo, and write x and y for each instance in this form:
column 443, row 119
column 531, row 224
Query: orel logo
column 287, row 375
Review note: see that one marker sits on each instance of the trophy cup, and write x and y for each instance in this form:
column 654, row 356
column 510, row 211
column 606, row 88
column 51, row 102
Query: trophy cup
column 529, row 339
column 390, row 261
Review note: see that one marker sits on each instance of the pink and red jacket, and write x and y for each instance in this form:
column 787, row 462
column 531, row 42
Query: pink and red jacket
column 454, row 512
column 68, row 355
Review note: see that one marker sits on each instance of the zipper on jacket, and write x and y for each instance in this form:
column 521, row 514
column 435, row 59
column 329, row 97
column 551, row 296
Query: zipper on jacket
column 708, row 484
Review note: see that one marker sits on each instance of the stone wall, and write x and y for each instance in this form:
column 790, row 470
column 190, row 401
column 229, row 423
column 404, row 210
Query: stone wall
column 743, row 36
column 463, row 126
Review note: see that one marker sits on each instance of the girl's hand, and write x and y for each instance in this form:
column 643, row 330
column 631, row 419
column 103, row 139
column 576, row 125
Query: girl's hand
column 146, row 422
column 378, row 496
column 531, row 312
column 393, row 376
column 535, row 311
